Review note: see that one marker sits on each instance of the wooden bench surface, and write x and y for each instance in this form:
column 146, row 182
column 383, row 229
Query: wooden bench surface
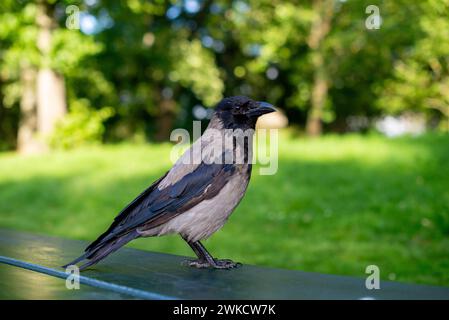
column 30, row 269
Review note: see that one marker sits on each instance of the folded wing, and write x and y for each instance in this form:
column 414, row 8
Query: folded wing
column 156, row 206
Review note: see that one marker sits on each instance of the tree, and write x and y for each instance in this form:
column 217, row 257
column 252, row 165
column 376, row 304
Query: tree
column 421, row 75
column 152, row 62
column 39, row 53
column 18, row 70
column 156, row 63
column 50, row 86
column 319, row 30
column 326, row 61
column 292, row 39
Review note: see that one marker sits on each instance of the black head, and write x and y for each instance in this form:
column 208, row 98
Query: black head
column 241, row 112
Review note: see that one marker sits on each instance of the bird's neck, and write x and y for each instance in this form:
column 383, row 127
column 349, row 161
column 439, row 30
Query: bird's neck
column 215, row 123
column 239, row 141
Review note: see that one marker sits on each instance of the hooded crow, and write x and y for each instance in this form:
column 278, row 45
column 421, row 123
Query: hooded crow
column 197, row 195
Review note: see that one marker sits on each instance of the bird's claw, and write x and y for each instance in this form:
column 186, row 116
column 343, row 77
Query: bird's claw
column 217, row 264
column 226, row 264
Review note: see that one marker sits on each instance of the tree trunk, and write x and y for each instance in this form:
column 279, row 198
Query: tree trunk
column 320, row 28
column 26, row 136
column 51, row 102
column 165, row 119
column 318, row 99
column 50, row 86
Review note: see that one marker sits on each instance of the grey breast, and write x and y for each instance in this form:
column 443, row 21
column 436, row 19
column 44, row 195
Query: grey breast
column 208, row 216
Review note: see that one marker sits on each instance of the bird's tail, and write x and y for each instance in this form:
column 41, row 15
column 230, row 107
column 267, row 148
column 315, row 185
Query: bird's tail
column 103, row 249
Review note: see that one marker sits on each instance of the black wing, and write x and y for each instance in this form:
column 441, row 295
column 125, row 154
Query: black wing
column 130, row 210
column 155, row 207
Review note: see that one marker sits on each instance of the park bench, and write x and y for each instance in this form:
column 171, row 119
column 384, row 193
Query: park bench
column 30, row 269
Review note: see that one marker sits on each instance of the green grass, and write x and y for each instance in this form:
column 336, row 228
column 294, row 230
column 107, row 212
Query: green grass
column 336, row 204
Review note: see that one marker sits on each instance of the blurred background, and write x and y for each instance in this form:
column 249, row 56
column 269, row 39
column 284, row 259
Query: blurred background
column 91, row 90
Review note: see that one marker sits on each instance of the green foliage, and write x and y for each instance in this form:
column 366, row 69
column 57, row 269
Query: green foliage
column 336, row 204
column 69, row 50
column 81, row 126
column 194, row 67
column 280, row 29
column 408, row 90
column 421, row 78
column 18, row 37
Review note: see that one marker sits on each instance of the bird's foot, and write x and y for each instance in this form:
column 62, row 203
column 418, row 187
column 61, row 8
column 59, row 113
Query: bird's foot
column 217, row 264
column 225, row 264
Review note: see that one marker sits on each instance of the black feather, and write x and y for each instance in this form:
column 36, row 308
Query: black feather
column 154, row 207
column 132, row 208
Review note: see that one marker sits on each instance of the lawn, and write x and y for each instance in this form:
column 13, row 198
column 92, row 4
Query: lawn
column 336, row 204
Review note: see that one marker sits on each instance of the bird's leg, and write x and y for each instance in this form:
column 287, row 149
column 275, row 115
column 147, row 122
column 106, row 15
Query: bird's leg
column 201, row 262
column 216, row 263
column 205, row 259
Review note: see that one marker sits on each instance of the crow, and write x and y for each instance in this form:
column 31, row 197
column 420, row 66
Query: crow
column 197, row 195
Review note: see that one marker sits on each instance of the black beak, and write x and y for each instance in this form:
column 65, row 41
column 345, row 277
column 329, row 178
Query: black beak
column 262, row 108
